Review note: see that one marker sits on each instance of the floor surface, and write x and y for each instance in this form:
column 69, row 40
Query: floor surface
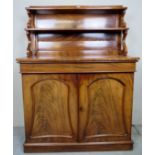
column 18, row 140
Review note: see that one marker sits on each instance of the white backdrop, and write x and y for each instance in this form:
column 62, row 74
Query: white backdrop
column 134, row 42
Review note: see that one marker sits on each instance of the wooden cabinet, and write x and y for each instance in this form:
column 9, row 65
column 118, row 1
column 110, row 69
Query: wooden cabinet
column 77, row 79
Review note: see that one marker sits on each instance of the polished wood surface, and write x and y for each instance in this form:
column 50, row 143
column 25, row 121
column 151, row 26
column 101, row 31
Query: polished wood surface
column 77, row 68
column 77, row 79
column 50, row 108
column 70, row 147
column 77, row 110
column 78, row 7
column 48, row 26
column 105, row 109
column 86, row 56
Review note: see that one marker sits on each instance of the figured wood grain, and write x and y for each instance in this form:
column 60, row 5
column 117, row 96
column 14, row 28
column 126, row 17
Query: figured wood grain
column 50, row 108
column 53, row 121
column 105, row 101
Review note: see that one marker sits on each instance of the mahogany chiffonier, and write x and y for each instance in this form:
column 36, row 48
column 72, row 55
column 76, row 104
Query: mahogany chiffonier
column 77, row 79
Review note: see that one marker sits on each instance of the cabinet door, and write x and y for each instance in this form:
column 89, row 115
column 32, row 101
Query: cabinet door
column 50, row 105
column 105, row 105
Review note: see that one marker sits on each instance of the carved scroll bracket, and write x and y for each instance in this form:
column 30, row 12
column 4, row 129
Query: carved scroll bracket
column 29, row 19
column 29, row 50
column 123, row 23
column 31, row 22
column 124, row 49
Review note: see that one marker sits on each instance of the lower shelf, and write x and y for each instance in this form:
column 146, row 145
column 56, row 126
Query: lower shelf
column 62, row 147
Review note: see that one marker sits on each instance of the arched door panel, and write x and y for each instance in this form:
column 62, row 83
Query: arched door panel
column 53, row 102
column 103, row 106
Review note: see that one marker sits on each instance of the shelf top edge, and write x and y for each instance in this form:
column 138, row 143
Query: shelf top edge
column 78, row 7
column 104, row 29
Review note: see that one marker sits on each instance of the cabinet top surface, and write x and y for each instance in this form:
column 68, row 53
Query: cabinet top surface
column 69, row 59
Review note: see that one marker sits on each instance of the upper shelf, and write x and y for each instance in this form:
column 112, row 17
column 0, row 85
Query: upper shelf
column 76, row 9
column 107, row 18
column 77, row 30
column 73, row 29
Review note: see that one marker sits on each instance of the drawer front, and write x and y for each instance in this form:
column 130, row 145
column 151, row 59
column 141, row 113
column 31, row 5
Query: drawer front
column 78, row 68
